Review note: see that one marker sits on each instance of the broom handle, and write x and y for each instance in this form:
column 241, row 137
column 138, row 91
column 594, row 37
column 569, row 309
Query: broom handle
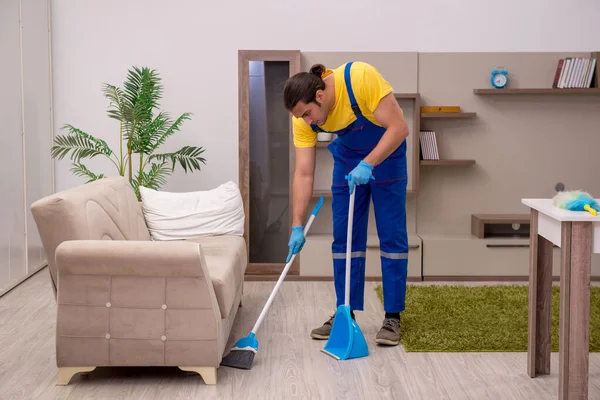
column 314, row 213
column 349, row 247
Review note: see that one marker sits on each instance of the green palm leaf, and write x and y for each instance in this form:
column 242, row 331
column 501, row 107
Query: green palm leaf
column 143, row 85
column 153, row 179
column 79, row 169
column 155, row 128
column 143, row 91
column 79, row 144
column 156, row 177
column 187, row 156
column 120, row 107
column 160, row 136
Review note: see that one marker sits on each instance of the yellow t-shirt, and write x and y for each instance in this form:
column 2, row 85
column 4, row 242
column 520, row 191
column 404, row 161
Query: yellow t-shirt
column 369, row 88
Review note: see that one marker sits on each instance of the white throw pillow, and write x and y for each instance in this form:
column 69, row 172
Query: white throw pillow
column 179, row 216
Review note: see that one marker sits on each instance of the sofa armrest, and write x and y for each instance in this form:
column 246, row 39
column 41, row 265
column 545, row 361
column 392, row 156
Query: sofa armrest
column 136, row 303
column 129, row 257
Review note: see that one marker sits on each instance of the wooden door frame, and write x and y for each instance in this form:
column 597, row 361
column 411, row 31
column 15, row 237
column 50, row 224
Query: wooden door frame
column 260, row 271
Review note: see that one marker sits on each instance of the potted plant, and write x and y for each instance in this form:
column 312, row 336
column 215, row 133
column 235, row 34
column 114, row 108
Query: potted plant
column 142, row 131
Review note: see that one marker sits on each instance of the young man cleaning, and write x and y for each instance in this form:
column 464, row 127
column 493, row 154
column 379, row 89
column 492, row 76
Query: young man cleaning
column 355, row 102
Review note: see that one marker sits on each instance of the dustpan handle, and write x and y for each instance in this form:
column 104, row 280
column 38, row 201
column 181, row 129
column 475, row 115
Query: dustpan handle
column 349, row 247
column 314, row 213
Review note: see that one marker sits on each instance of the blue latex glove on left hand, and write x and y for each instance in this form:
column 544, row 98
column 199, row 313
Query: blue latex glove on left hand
column 296, row 242
column 360, row 175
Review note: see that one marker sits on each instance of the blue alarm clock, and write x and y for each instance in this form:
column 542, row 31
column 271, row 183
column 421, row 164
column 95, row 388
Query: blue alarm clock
column 499, row 78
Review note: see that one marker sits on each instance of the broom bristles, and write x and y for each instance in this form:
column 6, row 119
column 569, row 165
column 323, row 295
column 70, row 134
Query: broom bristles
column 241, row 359
column 242, row 354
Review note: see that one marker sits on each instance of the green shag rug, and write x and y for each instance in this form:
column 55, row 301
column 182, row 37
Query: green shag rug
column 448, row 318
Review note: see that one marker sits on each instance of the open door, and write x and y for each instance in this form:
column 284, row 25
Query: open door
column 266, row 159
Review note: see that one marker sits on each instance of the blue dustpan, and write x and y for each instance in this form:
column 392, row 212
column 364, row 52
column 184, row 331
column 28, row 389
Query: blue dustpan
column 346, row 340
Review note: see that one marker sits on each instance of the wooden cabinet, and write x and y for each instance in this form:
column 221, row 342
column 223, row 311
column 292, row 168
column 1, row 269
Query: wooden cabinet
column 464, row 257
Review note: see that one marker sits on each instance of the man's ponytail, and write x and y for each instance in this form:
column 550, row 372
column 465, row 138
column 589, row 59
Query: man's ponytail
column 318, row 70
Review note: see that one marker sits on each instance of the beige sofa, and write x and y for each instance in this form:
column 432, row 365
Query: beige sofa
column 126, row 300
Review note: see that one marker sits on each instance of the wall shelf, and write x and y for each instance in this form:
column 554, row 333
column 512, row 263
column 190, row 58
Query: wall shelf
column 500, row 225
column 447, row 162
column 448, row 115
column 505, row 91
column 406, row 95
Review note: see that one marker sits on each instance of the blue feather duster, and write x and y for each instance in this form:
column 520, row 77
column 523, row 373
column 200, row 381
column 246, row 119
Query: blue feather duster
column 576, row 200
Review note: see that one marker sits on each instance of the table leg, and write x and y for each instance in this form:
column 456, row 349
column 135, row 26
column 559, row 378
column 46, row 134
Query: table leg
column 573, row 374
column 540, row 301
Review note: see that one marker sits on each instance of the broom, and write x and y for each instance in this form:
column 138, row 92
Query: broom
column 243, row 351
column 576, row 200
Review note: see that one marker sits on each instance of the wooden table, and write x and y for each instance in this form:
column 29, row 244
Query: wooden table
column 578, row 236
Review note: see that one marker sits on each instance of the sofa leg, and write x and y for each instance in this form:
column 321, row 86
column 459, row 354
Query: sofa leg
column 66, row 373
column 209, row 374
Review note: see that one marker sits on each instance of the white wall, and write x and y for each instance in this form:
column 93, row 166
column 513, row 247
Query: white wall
column 193, row 44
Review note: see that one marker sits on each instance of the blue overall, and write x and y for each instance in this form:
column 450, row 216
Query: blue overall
column 388, row 191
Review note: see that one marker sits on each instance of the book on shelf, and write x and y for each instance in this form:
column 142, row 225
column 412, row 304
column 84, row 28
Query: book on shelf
column 574, row 72
column 429, row 148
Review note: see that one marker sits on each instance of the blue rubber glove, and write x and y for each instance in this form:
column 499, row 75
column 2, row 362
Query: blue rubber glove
column 296, row 242
column 360, row 175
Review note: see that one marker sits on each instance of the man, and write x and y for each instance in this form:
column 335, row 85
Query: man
column 355, row 102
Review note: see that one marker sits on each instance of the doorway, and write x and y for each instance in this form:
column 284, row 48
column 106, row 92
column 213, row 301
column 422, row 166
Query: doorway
column 266, row 159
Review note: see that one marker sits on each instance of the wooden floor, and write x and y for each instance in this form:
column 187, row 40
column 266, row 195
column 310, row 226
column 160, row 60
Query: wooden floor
column 288, row 364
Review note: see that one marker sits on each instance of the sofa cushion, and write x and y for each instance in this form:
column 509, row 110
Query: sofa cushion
column 226, row 262
column 186, row 215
